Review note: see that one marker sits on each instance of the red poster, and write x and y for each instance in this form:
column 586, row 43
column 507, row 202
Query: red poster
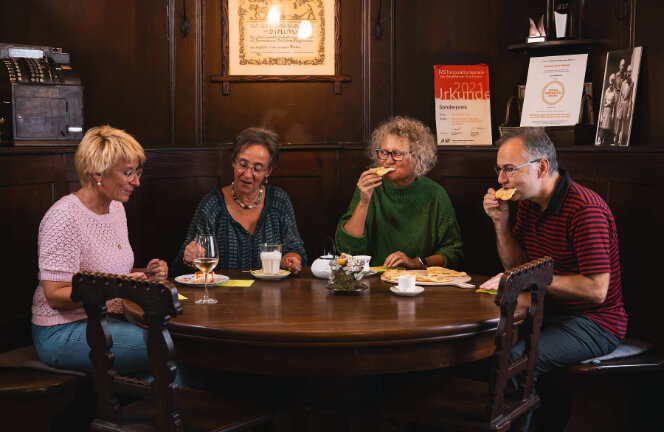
column 462, row 104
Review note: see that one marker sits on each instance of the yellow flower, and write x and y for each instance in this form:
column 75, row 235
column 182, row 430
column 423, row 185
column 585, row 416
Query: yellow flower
column 341, row 261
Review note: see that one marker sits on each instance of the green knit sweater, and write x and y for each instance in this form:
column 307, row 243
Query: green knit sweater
column 418, row 220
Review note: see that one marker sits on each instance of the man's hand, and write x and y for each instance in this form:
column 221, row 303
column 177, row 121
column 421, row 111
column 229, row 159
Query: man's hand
column 493, row 283
column 496, row 209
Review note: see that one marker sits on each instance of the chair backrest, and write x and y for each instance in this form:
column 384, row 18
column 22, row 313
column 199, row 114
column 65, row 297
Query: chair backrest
column 533, row 276
column 159, row 301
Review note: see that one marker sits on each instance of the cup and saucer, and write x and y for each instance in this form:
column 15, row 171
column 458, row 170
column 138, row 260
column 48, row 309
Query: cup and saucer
column 406, row 287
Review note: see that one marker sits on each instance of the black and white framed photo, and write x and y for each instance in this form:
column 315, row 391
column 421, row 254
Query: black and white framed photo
column 616, row 110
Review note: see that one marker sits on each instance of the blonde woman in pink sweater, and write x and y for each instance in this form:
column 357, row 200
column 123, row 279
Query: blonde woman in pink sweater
column 87, row 230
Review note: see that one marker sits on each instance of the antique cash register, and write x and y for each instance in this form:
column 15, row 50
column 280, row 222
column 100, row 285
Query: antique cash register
column 41, row 97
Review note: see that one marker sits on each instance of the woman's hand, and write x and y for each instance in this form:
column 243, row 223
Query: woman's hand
column 157, row 269
column 188, row 256
column 292, row 262
column 366, row 184
column 399, row 258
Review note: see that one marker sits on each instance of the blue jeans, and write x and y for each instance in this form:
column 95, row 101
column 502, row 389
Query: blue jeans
column 568, row 340
column 65, row 346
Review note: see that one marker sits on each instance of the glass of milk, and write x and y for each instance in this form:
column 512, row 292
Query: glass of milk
column 270, row 258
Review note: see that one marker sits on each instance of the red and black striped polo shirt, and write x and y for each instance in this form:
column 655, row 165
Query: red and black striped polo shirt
column 578, row 231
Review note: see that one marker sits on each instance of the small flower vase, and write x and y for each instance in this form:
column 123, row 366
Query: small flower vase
column 345, row 278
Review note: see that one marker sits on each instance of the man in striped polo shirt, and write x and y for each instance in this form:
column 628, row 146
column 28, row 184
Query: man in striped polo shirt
column 584, row 315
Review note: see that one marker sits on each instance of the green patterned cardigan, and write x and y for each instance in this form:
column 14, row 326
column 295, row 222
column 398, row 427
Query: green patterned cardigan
column 238, row 248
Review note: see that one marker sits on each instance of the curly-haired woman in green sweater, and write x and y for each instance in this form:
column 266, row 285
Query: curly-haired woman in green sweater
column 402, row 218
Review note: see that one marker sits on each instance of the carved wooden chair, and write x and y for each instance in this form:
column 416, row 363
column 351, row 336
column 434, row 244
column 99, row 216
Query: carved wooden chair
column 464, row 404
column 161, row 405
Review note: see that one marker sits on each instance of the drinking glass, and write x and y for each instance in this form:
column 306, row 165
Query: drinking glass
column 270, row 258
column 206, row 258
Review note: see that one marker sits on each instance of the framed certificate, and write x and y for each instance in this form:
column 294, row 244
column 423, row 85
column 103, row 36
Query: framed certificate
column 280, row 40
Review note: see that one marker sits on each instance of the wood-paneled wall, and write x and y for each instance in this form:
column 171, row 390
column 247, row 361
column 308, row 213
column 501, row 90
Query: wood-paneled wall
column 142, row 74
column 320, row 183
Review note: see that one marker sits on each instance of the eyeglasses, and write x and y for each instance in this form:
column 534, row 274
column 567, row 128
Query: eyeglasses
column 243, row 165
column 397, row 155
column 130, row 173
column 510, row 171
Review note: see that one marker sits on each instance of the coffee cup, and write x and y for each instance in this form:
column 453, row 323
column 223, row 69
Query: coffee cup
column 366, row 259
column 406, row 283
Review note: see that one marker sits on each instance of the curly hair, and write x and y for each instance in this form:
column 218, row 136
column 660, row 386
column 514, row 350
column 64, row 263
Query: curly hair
column 419, row 137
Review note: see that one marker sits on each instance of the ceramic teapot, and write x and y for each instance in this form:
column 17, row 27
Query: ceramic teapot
column 321, row 265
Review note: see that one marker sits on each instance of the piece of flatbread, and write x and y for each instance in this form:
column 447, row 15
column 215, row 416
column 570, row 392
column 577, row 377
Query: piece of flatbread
column 381, row 171
column 444, row 272
column 505, row 194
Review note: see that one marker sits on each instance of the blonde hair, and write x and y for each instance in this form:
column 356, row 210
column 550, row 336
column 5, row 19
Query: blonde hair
column 101, row 148
column 424, row 153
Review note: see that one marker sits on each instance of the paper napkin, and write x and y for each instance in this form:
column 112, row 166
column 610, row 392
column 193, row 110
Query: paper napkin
column 486, row 291
column 383, row 268
column 237, row 283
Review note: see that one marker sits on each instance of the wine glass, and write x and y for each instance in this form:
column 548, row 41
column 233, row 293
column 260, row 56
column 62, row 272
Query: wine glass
column 206, row 257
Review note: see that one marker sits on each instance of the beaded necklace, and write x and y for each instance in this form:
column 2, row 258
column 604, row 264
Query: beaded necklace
column 243, row 205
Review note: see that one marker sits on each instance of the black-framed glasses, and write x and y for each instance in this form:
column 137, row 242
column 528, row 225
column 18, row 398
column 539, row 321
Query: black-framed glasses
column 397, row 155
column 243, row 165
column 130, row 173
column 511, row 170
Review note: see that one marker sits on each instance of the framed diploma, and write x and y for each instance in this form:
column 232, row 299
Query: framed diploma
column 280, row 40
column 554, row 89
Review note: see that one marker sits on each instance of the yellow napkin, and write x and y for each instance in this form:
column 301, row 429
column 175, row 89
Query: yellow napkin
column 237, row 283
column 181, row 297
column 383, row 268
column 486, row 291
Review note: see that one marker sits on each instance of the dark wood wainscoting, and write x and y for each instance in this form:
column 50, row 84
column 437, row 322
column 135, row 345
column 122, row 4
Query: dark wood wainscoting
column 321, row 182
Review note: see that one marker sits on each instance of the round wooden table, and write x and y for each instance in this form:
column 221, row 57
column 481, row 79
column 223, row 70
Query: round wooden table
column 297, row 327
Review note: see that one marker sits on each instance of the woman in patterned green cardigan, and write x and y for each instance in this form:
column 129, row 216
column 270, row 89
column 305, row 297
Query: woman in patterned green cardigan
column 247, row 212
column 401, row 218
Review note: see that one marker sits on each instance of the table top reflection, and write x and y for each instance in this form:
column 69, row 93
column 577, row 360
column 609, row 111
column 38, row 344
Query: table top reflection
column 296, row 326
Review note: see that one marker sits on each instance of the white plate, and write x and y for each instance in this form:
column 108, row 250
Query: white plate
column 459, row 281
column 258, row 274
column 188, row 279
column 416, row 291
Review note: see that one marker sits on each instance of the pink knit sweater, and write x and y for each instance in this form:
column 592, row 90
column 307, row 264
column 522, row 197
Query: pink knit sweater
column 74, row 238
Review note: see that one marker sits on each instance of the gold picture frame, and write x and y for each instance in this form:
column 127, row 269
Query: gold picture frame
column 280, row 41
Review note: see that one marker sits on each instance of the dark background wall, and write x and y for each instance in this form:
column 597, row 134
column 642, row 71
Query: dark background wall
column 141, row 74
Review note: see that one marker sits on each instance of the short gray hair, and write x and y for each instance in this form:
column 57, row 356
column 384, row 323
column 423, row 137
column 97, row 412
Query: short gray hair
column 260, row 136
column 537, row 144
column 424, row 153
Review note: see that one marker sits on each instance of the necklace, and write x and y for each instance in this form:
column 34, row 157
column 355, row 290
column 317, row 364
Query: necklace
column 243, row 205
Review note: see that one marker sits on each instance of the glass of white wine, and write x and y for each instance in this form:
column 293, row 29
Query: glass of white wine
column 206, row 257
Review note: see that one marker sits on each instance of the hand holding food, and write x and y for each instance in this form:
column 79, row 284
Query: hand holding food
column 497, row 210
column 505, row 194
column 381, row 171
column 368, row 181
